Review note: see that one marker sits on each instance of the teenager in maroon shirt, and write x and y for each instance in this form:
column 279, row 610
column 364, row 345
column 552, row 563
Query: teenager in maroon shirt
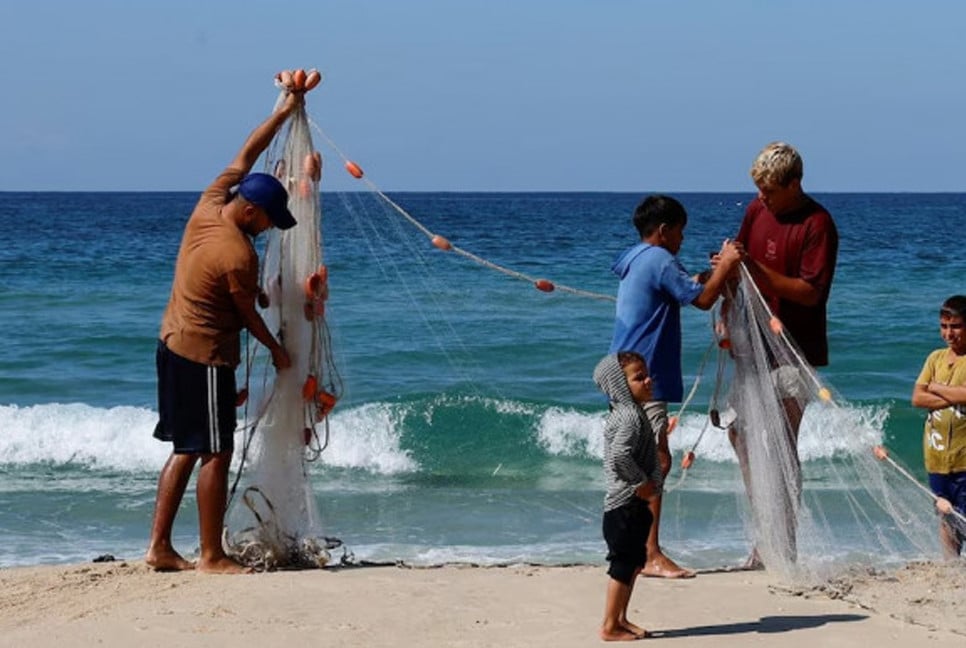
column 791, row 245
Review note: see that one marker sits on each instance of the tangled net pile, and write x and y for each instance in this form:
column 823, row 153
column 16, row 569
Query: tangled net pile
column 273, row 521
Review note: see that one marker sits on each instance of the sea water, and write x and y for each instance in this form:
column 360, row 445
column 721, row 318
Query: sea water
column 470, row 429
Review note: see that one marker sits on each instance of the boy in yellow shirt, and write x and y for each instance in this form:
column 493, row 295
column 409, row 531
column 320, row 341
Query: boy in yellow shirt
column 941, row 389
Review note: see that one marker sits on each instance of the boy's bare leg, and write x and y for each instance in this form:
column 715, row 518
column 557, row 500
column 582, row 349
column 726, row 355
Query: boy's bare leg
column 172, row 482
column 615, row 609
column 949, row 541
column 212, row 499
column 658, row 565
column 741, row 451
column 628, row 625
column 793, row 414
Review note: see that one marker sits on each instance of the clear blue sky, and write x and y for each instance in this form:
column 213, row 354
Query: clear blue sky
column 490, row 95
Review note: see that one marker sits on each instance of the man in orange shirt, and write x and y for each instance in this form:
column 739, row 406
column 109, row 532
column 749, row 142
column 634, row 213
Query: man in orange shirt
column 212, row 299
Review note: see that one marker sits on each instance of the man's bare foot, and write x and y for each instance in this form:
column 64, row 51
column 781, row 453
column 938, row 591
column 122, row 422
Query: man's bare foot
column 169, row 560
column 660, row 566
column 620, row 634
column 753, row 562
column 223, row 565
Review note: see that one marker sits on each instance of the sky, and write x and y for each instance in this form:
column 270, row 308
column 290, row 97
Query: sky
column 489, row 95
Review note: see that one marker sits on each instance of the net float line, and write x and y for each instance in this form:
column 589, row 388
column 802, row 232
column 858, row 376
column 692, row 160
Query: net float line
column 714, row 417
column 882, row 454
column 444, row 244
column 673, row 420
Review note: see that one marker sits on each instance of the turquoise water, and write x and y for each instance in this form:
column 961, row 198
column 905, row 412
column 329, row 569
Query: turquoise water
column 469, row 429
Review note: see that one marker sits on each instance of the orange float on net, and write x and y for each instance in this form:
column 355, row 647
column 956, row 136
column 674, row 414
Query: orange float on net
column 285, row 78
column 354, row 169
column 309, row 387
column 298, row 79
column 241, row 397
column 305, row 187
column 312, row 79
column 313, row 283
column 775, row 325
column 672, row 422
column 724, row 343
column 687, row 460
column 326, row 402
column 312, row 165
column 825, row 394
column 944, row 506
column 442, row 243
column 880, row 452
column 544, row 284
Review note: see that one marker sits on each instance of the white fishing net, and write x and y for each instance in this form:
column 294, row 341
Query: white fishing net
column 845, row 509
column 273, row 520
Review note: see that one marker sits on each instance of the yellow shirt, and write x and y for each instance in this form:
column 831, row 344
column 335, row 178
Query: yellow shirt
column 944, row 436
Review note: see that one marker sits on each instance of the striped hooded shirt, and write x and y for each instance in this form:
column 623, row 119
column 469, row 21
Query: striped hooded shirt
column 630, row 451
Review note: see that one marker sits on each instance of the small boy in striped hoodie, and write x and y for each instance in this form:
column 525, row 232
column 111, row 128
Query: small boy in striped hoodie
column 633, row 477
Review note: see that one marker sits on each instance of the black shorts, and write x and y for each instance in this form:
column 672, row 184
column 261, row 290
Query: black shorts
column 196, row 404
column 625, row 531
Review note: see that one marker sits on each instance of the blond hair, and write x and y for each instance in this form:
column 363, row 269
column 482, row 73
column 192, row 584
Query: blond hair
column 777, row 164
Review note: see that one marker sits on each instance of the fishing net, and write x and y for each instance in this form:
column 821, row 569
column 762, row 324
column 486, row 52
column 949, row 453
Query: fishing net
column 843, row 509
column 273, row 520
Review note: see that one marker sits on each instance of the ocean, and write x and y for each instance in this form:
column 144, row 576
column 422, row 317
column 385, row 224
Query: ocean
column 469, row 429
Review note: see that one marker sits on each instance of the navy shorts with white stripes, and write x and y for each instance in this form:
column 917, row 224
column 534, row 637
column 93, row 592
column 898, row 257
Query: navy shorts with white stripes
column 196, row 404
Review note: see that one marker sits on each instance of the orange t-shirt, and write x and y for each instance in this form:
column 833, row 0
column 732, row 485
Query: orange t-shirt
column 216, row 259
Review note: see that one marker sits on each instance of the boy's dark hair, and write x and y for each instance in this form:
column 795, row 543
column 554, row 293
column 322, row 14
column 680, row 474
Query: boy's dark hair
column 955, row 306
column 624, row 358
column 658, row 210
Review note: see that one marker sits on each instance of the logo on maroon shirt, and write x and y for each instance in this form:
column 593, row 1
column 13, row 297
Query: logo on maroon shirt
column 771, row 250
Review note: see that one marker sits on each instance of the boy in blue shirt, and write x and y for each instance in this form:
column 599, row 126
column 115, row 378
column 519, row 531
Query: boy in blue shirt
column 653, row 286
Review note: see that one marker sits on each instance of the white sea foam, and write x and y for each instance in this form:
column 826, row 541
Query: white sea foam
column 116, row 438
column 826, row 431
column 571, row 433
column 368, row 437
column 120, row 438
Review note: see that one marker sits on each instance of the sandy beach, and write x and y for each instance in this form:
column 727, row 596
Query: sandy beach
column 127, row 604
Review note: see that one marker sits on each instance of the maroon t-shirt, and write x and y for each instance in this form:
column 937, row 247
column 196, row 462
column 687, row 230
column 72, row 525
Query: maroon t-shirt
column 802, row 244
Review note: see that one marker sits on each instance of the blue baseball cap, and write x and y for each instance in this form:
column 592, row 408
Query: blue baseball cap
column 267, row 192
